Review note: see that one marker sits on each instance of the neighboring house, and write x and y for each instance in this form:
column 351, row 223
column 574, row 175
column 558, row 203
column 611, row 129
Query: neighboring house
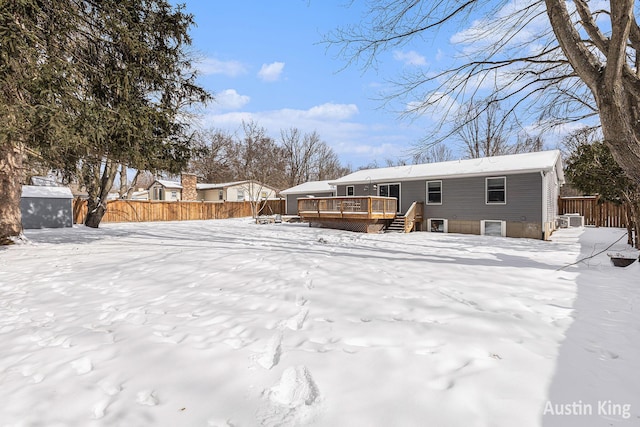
column 514, row 195
column 238, row 191
column 140, row 194
column 308, row 189
column 162, row 189
column 46, row 207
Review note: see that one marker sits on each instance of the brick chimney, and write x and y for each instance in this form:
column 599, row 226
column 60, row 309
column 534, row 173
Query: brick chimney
column 189, row 191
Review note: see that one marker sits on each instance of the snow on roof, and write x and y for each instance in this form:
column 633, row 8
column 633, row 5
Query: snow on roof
column 46, row 192
column 204, row 186
column 211, row 186
column 509, row 164
column 310, row 187
column 169, row 184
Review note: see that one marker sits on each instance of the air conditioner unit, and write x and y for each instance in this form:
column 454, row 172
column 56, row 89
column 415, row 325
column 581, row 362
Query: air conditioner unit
column 571, row 220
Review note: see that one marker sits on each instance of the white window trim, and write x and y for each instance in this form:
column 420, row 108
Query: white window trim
column 486, row 190
column 399, row 184
column 427, row 198
column 446, row 224
column 503, row 226
column 353, row 190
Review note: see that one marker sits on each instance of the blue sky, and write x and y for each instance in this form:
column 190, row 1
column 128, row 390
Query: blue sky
column 264, row 61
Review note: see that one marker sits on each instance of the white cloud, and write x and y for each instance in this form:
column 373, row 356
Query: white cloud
column 215, row 66
column 324, row 116
column 330, row 111
column 271, row 72
column 229, row 99
column 410, row 58
column 355, row 142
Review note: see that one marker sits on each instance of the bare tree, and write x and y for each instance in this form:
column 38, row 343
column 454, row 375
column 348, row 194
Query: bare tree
column 327, row 164
column 578, row 138
column 260, row 161
column 483, row 130
column 434, row 154
column 216, row 152
column 300, row 152
column 538, row 55
column 294, row 159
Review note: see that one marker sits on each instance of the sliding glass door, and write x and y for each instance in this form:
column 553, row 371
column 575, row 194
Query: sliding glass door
column 390, row 190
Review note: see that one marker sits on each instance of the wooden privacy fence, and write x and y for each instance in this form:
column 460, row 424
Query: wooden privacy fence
column 154, row 210
column 603, row 214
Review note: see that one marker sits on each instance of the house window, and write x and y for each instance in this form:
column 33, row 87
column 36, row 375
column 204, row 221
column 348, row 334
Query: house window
column 240, row 195
column 263, row 195
column 437, row 225
column 174, row 195
column 434, row 192
column 496, row 190
column 158, row 193
column 350, row 190
column 220, row 194
column 493, row 228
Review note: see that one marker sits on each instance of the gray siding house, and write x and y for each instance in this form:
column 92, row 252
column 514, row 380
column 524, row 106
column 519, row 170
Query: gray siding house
column 46, row 207
column 308, row 189
column 514, row 195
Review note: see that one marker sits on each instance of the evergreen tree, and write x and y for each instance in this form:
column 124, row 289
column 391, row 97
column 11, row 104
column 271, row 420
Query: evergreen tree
column 89, row 85
column 592, row 169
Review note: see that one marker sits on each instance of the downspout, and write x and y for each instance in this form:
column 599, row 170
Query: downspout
column 544, row 204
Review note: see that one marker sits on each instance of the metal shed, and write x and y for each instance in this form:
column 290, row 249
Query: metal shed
column 46, row 207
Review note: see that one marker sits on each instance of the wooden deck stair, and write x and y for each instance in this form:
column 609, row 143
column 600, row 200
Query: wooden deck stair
column 397, row 226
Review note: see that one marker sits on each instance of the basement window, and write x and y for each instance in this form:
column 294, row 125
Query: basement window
column 493, row 228
column 437, row 225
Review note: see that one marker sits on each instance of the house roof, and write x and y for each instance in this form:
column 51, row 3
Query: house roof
column 46, row 192
column 168, row 184
column 212, row 186
column 206, row 186
column 503, row 165
column 310, row 187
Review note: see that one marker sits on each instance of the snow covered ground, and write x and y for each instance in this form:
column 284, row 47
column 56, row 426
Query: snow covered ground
column 229, row 323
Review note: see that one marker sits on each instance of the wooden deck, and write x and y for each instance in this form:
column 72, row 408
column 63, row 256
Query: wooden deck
column 365, row 214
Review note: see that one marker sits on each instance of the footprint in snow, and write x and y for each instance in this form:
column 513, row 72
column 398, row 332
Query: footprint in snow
column 82, row 366
column 271, row 354
column 110, row 386
column 29, row 371
column 100, row 408
column 297, row 322
column 147, row 397
column 295, row 400
column 300, row 300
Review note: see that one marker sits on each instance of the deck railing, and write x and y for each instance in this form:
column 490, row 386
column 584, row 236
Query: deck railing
column 369, row 207
column 413, row 216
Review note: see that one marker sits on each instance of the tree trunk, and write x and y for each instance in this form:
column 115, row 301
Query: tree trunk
column 98, row 188
column 95, row 212
column 11, row 172
column 615, row 92
column 617, row 128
